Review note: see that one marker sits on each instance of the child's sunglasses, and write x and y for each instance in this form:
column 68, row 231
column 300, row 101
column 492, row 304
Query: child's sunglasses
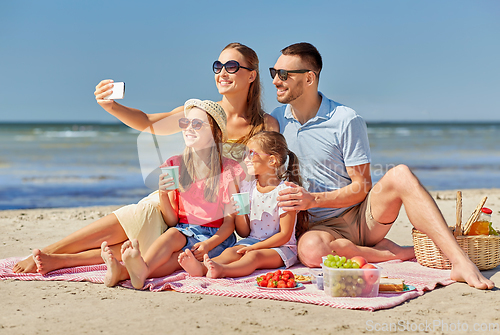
column 249, row 153
column 196, row 124
column 283, row 74
column 231, row 66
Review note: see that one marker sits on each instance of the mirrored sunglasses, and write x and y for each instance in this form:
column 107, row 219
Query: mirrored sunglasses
column 196, row 124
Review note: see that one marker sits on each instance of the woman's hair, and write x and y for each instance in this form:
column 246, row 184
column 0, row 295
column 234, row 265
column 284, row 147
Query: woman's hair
column 255, row 112
column 273, row 143
column 188, row 171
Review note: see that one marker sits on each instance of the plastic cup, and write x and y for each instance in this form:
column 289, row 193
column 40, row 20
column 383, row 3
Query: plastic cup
column 243, row 201
column 172, row 172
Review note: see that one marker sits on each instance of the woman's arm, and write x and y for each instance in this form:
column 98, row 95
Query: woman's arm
column 287, row 223
column 135, row 118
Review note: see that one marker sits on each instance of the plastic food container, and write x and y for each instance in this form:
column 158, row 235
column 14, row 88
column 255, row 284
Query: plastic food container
column 317, row 278
column 339, row 282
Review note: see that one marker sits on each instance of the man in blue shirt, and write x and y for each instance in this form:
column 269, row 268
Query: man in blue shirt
column 349, row 216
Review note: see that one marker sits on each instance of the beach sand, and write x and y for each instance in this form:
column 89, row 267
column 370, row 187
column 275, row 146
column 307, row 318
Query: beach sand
column 66, row 307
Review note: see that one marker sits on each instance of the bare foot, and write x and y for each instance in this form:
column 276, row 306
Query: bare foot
column 190, row 264
column 469, row 273
column 114, row 267
column 136, row 267
column 403, row 253
column 27, row 265
column 214, row 269
column 46, row 263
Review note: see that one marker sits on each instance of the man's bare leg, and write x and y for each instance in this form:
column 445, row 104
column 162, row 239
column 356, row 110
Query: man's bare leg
column 90, row 237
column 315, row 244
column 400, row 187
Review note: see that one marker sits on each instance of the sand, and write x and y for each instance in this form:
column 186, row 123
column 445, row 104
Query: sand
column 66, row 307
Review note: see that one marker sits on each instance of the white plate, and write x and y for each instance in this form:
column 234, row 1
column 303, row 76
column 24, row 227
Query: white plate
column 307, row 281
column 299, row 285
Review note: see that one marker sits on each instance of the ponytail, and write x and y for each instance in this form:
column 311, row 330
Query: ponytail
column 292, row 174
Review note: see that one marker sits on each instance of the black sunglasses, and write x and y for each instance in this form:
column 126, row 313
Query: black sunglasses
column 283, row 74
column 231, row 66
column 195, row 123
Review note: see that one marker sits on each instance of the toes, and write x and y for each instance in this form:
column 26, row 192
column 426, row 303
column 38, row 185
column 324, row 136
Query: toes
column 135, row 244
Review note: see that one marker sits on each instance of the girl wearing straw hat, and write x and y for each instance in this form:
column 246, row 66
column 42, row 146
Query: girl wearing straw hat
column 199, row 212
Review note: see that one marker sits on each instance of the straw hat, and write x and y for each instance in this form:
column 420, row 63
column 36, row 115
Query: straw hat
column 212, row 108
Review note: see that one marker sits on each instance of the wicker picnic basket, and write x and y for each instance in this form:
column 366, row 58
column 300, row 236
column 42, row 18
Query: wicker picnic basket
column 483, row 250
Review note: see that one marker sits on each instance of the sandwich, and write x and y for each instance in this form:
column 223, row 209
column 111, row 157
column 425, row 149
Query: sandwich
column 391, row 284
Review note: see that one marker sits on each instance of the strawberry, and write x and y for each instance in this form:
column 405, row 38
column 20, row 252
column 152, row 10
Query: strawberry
column 269, row 275
column 272, row 283
column 285, row 276
column 277, row 273
column 263, row 283
column 281, row 284
column 290, row 283
column 290, row 273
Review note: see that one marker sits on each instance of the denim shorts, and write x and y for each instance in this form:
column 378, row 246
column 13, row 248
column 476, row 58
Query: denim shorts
column 287, row 254
column 197, row 233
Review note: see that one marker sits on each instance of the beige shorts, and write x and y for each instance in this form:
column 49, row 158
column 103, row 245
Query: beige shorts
column 355, row 224
column 143, row 221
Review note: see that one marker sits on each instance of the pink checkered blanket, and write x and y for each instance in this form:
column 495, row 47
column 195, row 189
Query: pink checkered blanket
column 422, row 278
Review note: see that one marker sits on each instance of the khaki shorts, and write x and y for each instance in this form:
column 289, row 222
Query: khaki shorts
column 355, row 224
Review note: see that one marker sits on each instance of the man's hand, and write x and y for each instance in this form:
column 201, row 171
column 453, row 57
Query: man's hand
column 295, row 198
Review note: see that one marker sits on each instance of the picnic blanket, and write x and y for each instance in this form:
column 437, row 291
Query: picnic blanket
column 422, row 278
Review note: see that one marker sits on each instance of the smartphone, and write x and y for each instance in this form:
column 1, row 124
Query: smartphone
column 118, row 91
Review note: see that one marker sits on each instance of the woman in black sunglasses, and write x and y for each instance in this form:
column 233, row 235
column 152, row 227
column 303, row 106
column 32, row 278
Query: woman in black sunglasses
column 241, row 100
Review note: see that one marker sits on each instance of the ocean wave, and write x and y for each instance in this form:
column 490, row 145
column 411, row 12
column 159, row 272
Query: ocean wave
column 66, row 179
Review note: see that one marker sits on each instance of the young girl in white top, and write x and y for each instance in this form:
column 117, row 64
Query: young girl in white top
column 270, row 232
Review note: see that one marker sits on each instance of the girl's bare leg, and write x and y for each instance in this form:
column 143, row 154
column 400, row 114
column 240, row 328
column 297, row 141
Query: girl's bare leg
column 159, row 260
column 251, row 261
column 196, row 268
column 90, row 237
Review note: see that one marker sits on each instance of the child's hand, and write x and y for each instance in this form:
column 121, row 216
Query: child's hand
column 199, row 250
column 244, row 250
column 164, row 183
column 235, row 208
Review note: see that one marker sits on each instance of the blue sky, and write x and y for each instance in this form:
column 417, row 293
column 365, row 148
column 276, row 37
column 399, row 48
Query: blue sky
column 389, row 60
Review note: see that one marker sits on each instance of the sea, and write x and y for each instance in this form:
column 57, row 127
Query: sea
column 49, row 165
